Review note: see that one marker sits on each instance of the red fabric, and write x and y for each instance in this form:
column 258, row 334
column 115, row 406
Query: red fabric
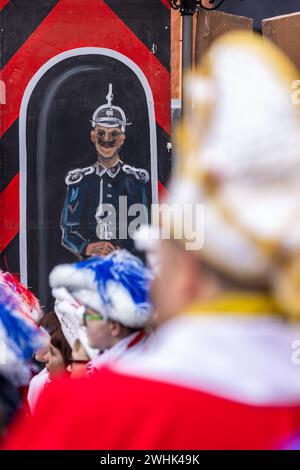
column 136, row 339
column 112, row 411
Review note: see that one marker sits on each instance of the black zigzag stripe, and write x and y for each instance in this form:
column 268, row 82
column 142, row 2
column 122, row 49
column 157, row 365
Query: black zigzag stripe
column 9, row 152
column 149, row 20
column 18, row 21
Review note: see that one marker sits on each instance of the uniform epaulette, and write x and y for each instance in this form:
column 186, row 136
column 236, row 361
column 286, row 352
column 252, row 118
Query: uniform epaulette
column 75, row 176
column 140, row 173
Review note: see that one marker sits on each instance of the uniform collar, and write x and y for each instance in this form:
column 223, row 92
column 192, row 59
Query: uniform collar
column 112, row 171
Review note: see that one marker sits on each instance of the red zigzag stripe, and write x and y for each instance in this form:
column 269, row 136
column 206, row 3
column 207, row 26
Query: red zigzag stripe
column 72, row 24
column 166, row 3
column 3, row 3
column 10, row 213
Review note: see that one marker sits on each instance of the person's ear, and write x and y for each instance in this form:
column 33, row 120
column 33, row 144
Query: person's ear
column 122, row 140
column 46, row 357
column 93, row 136
column 115, row 328
column 187, row 280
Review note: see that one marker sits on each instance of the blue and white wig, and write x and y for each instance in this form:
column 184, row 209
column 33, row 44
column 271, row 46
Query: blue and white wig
column 19, row 336
column 117, row 286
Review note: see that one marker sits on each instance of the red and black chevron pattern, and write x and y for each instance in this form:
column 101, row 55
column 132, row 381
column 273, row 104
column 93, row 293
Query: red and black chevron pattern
column 34, row 31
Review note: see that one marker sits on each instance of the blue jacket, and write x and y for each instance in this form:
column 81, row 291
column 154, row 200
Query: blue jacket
column 93, row 210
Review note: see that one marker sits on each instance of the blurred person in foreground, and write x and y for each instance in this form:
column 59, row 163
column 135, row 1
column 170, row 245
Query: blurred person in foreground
column 103, row 304
column 19, row 339
column 221, row 375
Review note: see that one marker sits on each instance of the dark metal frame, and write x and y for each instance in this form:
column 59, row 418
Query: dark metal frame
column 187, row 9
column 190, row 7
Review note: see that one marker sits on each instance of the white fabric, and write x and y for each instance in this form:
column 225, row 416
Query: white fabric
column 36, row 387
column 252, row 101
column 146, row 238
column 252, row 148
column 70, row 314
column 66, row 275
column 246, row 359
column 118, row 351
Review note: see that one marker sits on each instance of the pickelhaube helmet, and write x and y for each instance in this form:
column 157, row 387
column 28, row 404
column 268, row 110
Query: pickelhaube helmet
column 108, row 115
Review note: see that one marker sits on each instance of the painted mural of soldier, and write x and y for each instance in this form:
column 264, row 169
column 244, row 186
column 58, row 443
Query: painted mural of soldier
column 106, row 201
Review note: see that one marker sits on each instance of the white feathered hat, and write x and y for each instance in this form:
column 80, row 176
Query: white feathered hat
column 116, row 286
column 20, row 336
column 70, row 314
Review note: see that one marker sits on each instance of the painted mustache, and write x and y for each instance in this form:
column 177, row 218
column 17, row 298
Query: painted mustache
column 105, row 144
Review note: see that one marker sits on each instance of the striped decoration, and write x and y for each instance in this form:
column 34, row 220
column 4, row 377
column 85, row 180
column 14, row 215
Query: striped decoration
column 34, row 31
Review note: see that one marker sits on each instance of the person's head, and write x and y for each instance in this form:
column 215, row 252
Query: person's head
column 58, row 357
column 20, row 336
column 30, row 303
column 107, row 140
column 190, row 280
column 78, row 361
column 69, row 313
column 104, row 333
column 108, row 133
column 114, row 291
column 49, row 323
column 182, row 271
column 239, row 177
column 18, row 341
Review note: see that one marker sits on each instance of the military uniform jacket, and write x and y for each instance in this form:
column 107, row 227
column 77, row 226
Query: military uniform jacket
column 99, row 205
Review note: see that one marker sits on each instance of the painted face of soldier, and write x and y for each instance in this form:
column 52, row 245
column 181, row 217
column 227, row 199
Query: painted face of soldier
column 107, row 140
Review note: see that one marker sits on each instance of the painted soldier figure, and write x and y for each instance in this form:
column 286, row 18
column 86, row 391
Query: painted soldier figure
column 103, row 199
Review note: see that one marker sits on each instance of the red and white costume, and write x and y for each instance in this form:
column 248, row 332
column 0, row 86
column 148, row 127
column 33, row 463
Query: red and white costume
column 211, row 382
column 126, row 348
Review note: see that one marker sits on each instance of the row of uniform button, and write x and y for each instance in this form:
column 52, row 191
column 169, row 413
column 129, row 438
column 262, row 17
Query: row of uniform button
column 109, row 212
column 109, row 186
